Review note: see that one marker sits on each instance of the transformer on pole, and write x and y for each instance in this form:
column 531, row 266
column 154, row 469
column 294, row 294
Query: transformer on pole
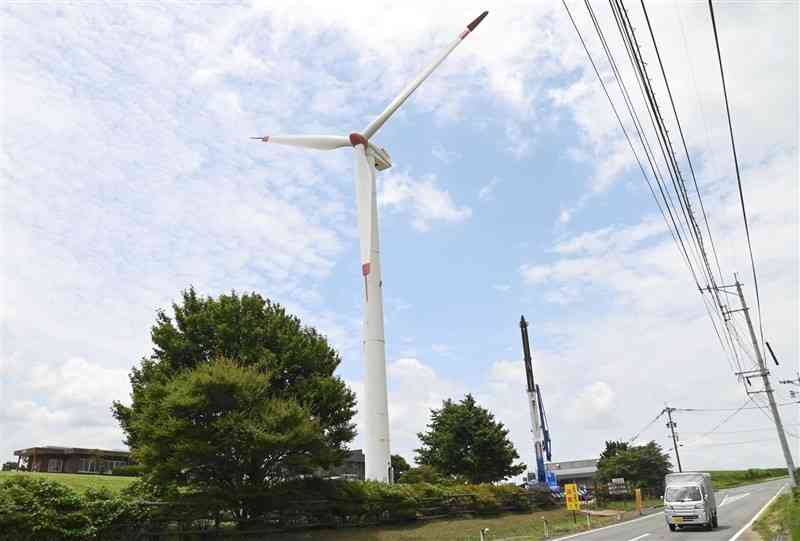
column 539, row 429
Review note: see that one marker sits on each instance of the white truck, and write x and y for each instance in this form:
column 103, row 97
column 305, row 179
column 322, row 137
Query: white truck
column 689, row 500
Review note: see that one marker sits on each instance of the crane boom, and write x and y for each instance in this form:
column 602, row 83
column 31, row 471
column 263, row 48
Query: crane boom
column 539, row 430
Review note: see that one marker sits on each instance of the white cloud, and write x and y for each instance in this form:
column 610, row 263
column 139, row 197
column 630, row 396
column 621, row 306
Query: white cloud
column 443, row 155
column 594, row 406
column 423, row 199
column 112, row 123
column 501, row 287
column 518, row 141
column 487, row 190
column 76, row 411
column 635, row 314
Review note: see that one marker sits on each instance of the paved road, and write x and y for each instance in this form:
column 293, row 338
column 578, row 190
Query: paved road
column 737, row 506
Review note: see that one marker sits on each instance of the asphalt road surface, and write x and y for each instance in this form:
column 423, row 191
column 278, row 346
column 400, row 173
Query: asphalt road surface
column 736, row 508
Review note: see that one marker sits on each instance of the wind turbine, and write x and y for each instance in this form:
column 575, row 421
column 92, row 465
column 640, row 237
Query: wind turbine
column 368, row 159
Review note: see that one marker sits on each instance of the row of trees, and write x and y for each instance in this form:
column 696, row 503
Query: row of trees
column 238, row 396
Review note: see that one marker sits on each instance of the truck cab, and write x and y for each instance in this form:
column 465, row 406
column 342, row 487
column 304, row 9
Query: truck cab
column 689, row 501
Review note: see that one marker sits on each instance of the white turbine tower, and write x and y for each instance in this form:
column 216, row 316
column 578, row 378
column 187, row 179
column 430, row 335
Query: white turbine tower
column 370, row 158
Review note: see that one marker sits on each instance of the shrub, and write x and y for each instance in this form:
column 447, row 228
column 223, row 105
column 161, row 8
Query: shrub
column 43, row 510
column 33, row 509
column 131, row 470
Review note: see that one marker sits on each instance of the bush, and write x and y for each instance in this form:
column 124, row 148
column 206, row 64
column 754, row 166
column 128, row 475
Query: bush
column 41, row 510
column 32, row 509
column 131, row 470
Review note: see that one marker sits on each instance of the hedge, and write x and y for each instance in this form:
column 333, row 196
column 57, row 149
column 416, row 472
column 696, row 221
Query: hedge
column 40, row 509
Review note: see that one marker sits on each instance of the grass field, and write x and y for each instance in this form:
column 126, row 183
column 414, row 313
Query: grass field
column 781, row 520
column 734, row 478
column 526, row 526
column 77, row 481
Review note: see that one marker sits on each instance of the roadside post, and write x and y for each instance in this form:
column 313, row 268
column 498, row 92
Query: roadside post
column 573, row 502
column 638, row 493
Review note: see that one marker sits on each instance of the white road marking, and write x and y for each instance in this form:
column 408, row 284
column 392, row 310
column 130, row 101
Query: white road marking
column 640, row 537
column 573, row 536
column 752, row 520
column 733, row 498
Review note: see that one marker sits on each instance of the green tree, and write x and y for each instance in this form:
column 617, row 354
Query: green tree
column 399, row 466
column 612, row 448
column 219, row 431
column 296, row 364
column 463, row 439
column 644, row 466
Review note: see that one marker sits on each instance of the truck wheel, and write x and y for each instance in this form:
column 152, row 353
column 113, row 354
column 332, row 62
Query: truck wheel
column 672, row 527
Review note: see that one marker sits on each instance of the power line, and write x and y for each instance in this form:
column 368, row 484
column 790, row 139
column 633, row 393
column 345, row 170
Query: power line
column 648, row 425
column 634, row 54
column 725, row 444
column 747, row 430
column 710, row 410
column 736, row 163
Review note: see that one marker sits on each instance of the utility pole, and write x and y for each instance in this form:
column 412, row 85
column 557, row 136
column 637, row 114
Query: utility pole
column 671, row 425
column 776, row 416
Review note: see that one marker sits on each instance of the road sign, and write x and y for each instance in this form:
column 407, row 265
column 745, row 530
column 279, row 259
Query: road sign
column 571, row 497
column 617, row 486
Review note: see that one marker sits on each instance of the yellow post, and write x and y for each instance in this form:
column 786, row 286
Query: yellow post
column 638, row 493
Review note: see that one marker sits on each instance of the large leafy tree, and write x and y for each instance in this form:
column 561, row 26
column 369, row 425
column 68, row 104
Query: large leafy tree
column 217, row 430
column 463, row 439
column 296, row 362
column 645, row 465
column 399, row 466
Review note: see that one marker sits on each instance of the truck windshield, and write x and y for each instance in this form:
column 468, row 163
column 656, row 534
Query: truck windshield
column 682, row 494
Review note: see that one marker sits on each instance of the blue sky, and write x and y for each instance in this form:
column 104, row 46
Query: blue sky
column 128, row 176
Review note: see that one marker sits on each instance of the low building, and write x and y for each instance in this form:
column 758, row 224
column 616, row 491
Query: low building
column 580, row 472
column 55, row 459
column 351, row 468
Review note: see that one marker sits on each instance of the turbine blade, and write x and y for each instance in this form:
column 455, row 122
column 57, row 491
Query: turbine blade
column 318, row 142
column 413, row 85
column 365, row 195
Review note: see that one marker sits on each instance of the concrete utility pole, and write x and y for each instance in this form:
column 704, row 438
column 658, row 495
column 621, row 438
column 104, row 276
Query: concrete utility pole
column 776, row 416
column 671, row 425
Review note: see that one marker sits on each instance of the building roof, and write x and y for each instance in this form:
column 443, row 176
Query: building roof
column 58, row 450
column 573, row 468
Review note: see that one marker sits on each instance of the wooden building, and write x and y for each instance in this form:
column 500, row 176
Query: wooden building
column 54, row 459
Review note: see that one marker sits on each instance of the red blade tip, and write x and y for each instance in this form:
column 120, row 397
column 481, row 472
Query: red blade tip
column 474, row 24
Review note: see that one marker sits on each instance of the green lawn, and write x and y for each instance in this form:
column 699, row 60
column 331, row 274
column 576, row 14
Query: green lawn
column 77, row 481
column 524, row 526
column 630, row 505
column 781, row 518
column 734, row 478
